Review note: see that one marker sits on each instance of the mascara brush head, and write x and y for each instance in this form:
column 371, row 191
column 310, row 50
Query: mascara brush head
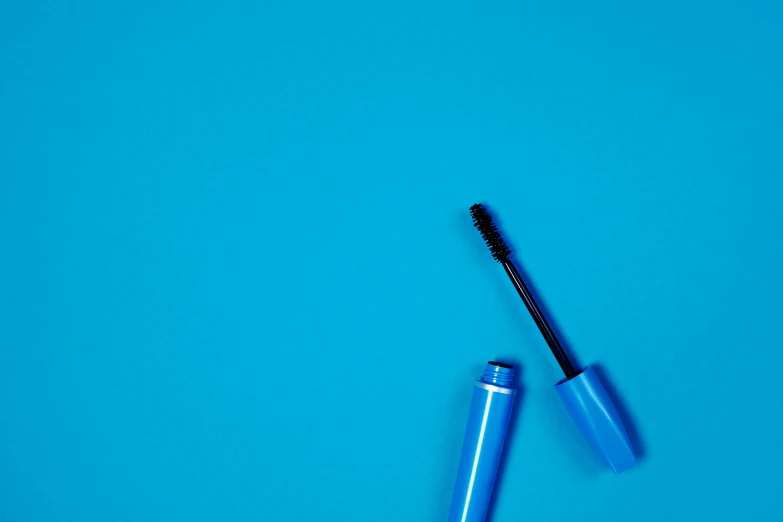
column 482, row 220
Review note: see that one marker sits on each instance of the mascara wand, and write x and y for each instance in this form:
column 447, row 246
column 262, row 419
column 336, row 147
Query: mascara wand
column 500, row 251
column 582, row 392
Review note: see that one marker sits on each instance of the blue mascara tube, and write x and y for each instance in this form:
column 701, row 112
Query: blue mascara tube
column 490, row 411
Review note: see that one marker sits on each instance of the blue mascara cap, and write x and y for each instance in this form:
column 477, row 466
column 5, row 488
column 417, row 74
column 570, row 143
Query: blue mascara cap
column 591, row 408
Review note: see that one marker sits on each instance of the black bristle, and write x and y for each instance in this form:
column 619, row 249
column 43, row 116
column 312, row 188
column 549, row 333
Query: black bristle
column 483, row 222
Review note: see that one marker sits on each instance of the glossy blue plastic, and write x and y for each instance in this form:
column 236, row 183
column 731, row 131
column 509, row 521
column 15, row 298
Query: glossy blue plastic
column 597, row 418
column 490, row 411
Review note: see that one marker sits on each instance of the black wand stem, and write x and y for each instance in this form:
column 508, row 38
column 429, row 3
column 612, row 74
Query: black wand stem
column 538, row 317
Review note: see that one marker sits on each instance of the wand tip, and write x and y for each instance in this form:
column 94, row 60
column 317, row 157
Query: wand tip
column 482, row 220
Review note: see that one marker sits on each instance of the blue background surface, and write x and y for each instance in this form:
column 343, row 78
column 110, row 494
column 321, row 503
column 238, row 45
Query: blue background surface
column 239, row 280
